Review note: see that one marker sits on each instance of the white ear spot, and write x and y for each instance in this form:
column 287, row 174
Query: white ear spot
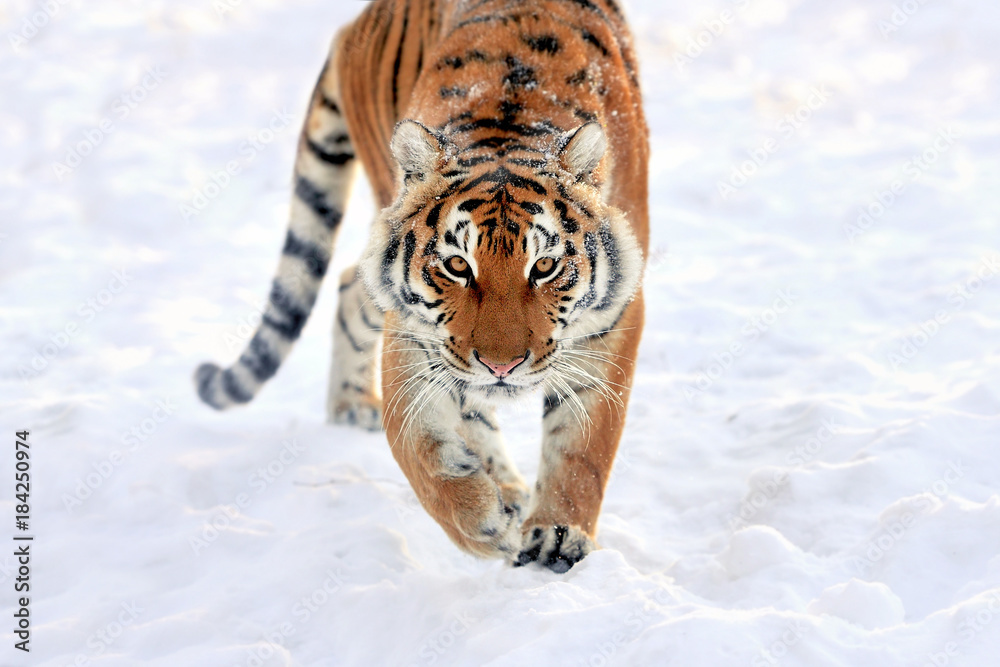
column 415, row 148
column 583, row 149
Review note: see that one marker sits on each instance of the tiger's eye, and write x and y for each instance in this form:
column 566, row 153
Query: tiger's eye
column 544, row 266
column 457, row 265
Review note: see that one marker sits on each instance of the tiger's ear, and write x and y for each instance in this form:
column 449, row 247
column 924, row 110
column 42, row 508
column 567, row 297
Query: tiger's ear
column 416, row 148
column 583, row 148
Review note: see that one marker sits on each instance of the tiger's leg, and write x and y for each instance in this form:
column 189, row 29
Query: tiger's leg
column 354, row 396
column 424, row 424
column 578, row 448
column 480, row 430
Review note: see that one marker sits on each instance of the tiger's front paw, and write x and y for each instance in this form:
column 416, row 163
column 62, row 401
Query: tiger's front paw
column 556, row 547
column 474, row 511
column 515, row 497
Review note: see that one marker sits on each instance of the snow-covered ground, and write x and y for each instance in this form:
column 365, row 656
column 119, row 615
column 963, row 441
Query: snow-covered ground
column 810, row 471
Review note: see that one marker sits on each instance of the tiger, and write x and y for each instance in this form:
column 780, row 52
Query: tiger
column 507, row 150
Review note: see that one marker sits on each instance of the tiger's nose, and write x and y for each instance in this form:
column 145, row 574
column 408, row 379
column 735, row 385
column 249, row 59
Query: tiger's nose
column 500, row 370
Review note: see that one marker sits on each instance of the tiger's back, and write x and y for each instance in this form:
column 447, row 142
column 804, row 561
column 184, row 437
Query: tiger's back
column 565, row 61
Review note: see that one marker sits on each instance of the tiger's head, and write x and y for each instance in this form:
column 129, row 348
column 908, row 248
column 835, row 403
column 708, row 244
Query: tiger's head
column 499, row 257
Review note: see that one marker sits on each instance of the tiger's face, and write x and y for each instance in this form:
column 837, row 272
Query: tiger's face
column 501, row 260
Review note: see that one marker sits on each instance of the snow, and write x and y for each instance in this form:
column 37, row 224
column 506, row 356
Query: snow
column 808, row 475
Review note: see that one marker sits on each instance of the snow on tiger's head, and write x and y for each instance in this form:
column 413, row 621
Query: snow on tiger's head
column 501, row 256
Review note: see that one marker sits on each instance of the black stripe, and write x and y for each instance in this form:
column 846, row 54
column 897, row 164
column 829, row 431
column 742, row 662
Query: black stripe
column 336, row 159
column 503, row 176
column 316, row 259
column 569, row 225
column 434, row 215
column 478, row 417
column 285, row 305
column 540, row 129
column 388, row 259
column 543, row 44
column 368, row 323
column 527, row 162
column 260, row 359
column 425, row 273
column 552, row 402
column 590, row 247
column 431, row 246
column 522, row 147
column 409, row 248
column 587, row 4
column 489, row 142
column 481, row 19
column 592, row 39
column 519, row 74
column 347, row 332
column 614, row 265
column 527, row 184
column 235, row 392
column 315, row 199
column 470, row 205
column 454, row 62
column 531, row 208
column 571, row 281
column 399, row 60
column 473, row 161
column 328, row 103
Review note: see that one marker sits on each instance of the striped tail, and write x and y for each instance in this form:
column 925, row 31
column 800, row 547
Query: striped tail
column 324, row 171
